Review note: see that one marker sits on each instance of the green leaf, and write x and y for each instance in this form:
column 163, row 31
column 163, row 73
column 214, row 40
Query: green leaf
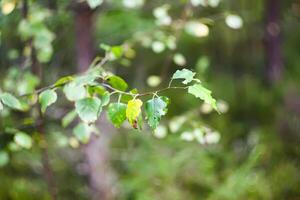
column 1, row 106
column 82, row 132
column 117, row 83
column 117, row 51
column 11, row 101
column 117, row 113
column 97, row 89
column 94, row 3
column 155, row 109
column 68, row 118
column 23, row 140
column 105, row 99
column 133, row 110
column 105, row 47
column 126, row 97
column 4, row 158
column 63, row 81
column 185, row 74
column 46, row 98
column 86, row 79
column 88, row 109
column 74, row 92
column 201, row 92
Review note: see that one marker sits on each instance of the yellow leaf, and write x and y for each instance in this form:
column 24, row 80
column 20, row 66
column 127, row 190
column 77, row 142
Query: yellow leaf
column 8, row 7
column 133, row 110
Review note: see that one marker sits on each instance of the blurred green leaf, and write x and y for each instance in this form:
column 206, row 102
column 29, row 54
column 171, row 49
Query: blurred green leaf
column 63, row 81
column 82, row 132
column 74, row 92
column 23, row 140
column 105, row 99
column 94, row 3
column 4, row 158
column 46, row 98
column 11, row 101
column 117, row 51
column 68, row 118
column 97, row 89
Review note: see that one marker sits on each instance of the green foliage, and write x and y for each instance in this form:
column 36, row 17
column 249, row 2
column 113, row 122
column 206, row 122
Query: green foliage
column 156, row 108
column 23, row 140
column 117, row 113
column 46, row 98
column 74, row 92
column 34, row 28
column 82, row 131
column 185, row 74
column 68, row 118
column 94, row 3
column 117, row 83
column 4, row 158
column 88, row 109
column 201, row 92
column 63, row 81
column 10, row 101
column 105, row 99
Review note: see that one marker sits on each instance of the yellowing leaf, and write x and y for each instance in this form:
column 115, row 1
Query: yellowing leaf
column 133, row 110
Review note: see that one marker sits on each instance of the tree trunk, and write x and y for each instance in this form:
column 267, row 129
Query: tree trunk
column 96, row 152
column 84, row 42
column 274, row 62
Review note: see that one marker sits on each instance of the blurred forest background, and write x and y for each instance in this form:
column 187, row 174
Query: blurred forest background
column 246, row 52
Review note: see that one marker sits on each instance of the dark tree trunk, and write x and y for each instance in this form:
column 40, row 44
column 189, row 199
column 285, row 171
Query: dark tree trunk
column 274, row 62
column 96, row 152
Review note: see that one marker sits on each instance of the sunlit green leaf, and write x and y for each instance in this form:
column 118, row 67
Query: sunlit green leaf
column 88, row 109
column 201, row 92
column 86, row 79
column 117, row 83
column 185, row 74
column 74, row 92
column 97, row 89
column 46, row 98
column 117, row 113
column 63, row 81
column 105, row 99
column 11, row 101
column 117, row 51
column 23, row 140
column 156, row 108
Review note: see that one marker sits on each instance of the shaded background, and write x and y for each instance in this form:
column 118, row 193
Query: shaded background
column 252, row 69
